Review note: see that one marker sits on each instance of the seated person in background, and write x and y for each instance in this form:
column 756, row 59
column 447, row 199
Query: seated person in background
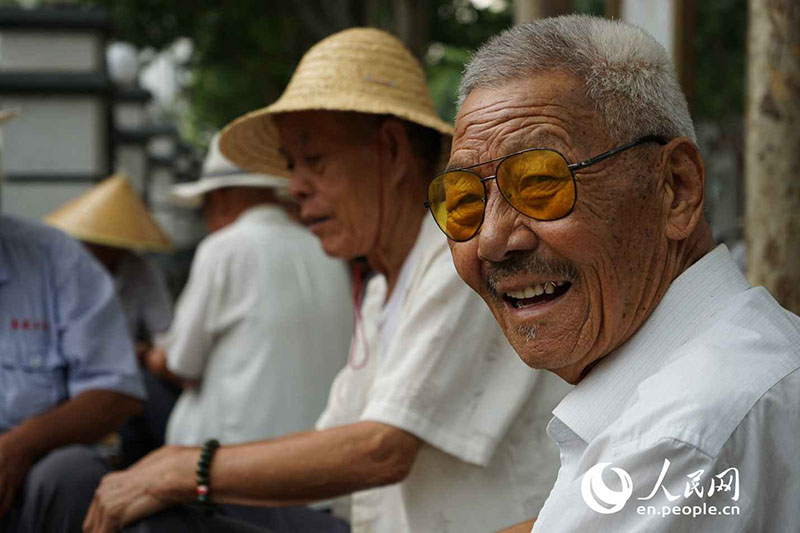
column 435, row 425
column 113, row 223
column 685, row 413
column 264, row 322
column 68, row 375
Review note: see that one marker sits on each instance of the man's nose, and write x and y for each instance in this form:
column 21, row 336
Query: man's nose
column 502, row 232
column 299, row 186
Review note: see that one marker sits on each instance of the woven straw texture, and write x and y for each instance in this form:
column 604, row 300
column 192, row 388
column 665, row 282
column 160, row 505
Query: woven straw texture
column 111, row 214
column 361, row 69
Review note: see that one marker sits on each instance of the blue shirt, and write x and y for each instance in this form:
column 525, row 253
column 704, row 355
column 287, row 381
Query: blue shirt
column 61, row 328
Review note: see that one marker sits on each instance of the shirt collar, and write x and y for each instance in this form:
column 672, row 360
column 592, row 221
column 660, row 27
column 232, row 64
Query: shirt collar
column 691, row 299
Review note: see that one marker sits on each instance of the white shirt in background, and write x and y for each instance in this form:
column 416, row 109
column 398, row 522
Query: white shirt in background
column 265, row 323
column 448, row 376
column 709, row 383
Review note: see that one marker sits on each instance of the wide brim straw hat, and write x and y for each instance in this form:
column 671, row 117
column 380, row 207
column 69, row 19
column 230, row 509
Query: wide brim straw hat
column 111, row 214
column 364, row 70
column 219, row 173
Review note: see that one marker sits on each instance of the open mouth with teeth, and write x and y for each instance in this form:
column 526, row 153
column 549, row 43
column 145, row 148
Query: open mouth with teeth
column 536, row 294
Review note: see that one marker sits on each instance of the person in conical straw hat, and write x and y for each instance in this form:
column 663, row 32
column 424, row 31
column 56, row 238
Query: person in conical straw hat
column 115, row 225
column 434, row 411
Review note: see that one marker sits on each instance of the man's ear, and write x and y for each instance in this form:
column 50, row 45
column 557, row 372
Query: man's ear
column 396, row 150
column 684, row 187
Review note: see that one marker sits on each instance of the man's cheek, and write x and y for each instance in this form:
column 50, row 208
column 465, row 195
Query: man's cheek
column 466, row 262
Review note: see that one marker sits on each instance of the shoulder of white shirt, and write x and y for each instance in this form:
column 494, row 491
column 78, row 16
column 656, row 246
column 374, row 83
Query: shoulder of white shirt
column 711, row 384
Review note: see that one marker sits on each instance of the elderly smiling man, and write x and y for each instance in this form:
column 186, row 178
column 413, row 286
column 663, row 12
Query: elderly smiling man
column 574, row 206
column 434, row 425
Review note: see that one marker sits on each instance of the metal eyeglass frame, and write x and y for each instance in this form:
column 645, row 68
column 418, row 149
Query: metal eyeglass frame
column 573, row 167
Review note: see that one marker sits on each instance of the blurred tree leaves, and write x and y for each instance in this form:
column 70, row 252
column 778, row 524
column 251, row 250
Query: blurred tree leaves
column 719, row 59
column 246, row 50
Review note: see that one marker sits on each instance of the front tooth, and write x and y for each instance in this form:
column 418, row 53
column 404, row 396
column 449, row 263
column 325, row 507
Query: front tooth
column 549, row 288
column 539, row 289
column 529, row 292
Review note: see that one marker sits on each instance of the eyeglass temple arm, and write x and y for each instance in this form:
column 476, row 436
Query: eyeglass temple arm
column 646, row 139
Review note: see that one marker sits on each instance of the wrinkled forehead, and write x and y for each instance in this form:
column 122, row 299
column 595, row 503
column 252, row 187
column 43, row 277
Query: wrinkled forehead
column 543, row 110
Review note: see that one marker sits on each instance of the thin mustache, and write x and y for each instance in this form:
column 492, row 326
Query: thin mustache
column 528, row 263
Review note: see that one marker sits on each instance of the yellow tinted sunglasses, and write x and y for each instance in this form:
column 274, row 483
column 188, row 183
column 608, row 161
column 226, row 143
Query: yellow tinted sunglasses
column 537, row 182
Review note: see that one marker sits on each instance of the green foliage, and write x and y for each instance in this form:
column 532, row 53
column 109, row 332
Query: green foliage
column 246, row 50
column 719, row 59
column 457, row 30
column 590, row 7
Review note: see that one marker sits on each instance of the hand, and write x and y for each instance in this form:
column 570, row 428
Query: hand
column 15, row 461
column 142, row 348
column 162, row 479
column 155, row 359
column 156, row 362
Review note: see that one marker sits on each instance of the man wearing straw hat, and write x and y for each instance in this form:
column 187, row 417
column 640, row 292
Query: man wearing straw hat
column 434, row 425
column 115, row 225
column 68, row 375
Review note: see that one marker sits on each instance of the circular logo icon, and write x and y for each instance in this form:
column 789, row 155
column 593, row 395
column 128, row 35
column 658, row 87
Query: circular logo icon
column 598, row 496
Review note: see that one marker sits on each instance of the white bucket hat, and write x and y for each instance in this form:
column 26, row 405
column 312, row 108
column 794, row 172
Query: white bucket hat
column 218, row 172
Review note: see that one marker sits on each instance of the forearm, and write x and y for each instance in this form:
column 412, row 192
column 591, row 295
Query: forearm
column 302, row 467
column 85, row 418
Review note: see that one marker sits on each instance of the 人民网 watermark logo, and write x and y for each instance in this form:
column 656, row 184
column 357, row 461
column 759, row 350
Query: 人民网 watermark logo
column 606, row 500
column 598, row 496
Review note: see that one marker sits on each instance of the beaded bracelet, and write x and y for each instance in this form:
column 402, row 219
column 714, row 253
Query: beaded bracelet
column 204, row 478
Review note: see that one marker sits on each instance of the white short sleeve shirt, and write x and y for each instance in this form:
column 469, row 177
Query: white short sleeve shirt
column 264, row 323
column 448, row 376
column 692, row 424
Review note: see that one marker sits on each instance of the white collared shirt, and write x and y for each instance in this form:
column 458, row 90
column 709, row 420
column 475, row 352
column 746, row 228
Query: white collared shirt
column 448, row 376
column 702, row 399
column 264, row 322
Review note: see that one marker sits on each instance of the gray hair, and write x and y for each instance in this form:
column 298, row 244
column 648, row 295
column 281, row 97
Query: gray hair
column 628, row 75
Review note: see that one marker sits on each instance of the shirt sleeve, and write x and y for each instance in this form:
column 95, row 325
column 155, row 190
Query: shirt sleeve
column 93, row 335
column 449, row 375
column 191, row 334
